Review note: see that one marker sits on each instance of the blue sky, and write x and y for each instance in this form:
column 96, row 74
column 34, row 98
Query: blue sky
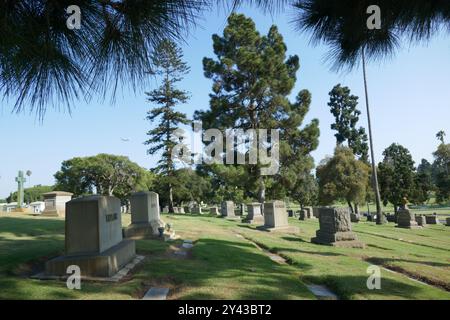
column 409, row 95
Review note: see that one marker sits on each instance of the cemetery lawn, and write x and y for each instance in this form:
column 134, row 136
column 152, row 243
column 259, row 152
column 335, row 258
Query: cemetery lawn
column 225, row 264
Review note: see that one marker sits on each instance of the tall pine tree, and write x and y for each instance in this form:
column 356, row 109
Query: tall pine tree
column 252, row 78
column 170, row 68
column 343, row 106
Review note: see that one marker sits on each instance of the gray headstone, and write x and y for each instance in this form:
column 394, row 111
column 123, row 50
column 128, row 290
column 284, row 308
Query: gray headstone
column 406, row 219
column 227, row 209
column 254, row 214
column 336, row 228
column 275, row 215
column 145, row 216
column 93, row 238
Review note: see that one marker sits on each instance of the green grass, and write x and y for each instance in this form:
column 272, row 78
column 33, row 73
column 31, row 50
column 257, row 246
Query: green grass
column 224, row 266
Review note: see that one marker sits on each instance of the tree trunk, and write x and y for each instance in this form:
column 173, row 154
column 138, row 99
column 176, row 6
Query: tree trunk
column 380, row 219
column 350, row 206
column 170, row 199
column 356, row 208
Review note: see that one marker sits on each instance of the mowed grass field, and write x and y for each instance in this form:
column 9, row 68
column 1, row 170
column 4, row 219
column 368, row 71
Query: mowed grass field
column 225, row 264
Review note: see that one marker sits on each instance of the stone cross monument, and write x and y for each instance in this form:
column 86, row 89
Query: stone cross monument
column 20, row 179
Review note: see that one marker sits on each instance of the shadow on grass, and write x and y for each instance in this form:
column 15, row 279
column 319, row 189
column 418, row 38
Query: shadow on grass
column 349, row 287
column 407, row 242
column 219, row 266
column 30, row 226
column 384, row 261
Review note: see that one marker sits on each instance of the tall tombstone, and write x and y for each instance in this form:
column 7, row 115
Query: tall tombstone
column 447, row 221
column 20, row 179
column 276, row 217
column 336, row 229
column 254, row 215
column 406, row 219
column 93, row 239
column 227, row 210
column 145, row 216
column 55, row 203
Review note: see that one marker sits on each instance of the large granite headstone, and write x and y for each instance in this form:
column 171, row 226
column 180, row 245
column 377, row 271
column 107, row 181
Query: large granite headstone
column 227, row 210
column 406, row 219
column 276, row 217
column 93, row 239
column 254, row 214
column 336, row 229
column 55, row 203
column 145, row 216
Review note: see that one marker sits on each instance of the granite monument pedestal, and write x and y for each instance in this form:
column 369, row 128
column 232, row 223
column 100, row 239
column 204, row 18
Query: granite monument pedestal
column 93, row 239
column 276, row 218
column 254, row 215
column 336, row 229
column 145, row 216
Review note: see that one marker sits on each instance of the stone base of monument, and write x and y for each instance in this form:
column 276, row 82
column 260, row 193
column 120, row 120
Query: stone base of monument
column 138, row 231
column 347, row 239
column 254, row 220
column 124, row 271
column 285, row 229
column 50, row 213
column 233, row 218
column 19, row 210
column 105, row 264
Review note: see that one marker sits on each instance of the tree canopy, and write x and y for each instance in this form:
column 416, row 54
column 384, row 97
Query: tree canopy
column 343, row 178
column 343, row 106
column 104, row 174
column 397, row 175
column 252, row 78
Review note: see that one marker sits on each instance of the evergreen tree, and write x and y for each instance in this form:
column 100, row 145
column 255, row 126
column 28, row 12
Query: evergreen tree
column 252, row 78
column 342, row 177
column 169, row 66
column 441, row 166
column 441, row 136
column 397, row 175
column 343, row 107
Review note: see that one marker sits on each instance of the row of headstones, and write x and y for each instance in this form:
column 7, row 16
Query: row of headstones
column 96, row 242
